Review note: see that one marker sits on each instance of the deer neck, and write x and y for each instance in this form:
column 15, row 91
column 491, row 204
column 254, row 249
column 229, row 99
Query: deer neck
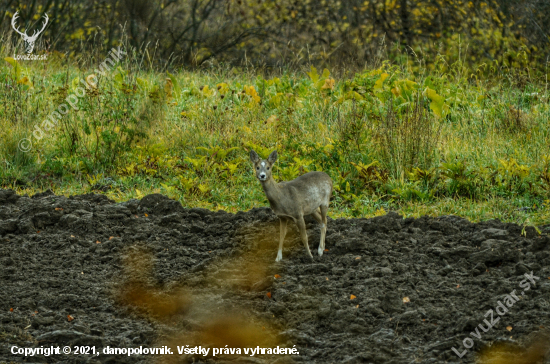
column 271, row 189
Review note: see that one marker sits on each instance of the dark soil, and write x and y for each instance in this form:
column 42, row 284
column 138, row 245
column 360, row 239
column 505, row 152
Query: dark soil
column 63, row 271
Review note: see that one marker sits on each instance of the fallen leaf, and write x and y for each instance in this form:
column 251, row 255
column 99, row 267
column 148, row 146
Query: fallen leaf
column 458, row 286
column 352, row 297
column 357, row 258
column 58, row 209
column 35, row 311
column 72, row 236
column 326, row 278
column 38, row 232
column 326, row 250
column 268, row 294
column 70, row 318
column 11, row 309
column 98, row 242
column 277, row 276
column 357, row 306
column 509, row 328
column 146, row 215
column 111, row 237
column 406, row 300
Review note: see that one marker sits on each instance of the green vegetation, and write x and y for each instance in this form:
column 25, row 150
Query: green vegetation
column 447, row 139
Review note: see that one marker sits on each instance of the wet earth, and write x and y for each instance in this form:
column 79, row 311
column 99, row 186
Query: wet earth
column 387, row 290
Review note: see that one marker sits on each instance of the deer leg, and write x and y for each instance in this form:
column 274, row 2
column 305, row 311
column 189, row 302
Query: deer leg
column 282, row 235
column 302, row 226
column 324, row 210
column 317, row 215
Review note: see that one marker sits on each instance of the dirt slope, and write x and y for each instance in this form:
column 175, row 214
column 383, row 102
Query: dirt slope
column 68, row 256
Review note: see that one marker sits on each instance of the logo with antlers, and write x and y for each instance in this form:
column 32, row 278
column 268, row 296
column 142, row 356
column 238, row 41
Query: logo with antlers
column 29, row 41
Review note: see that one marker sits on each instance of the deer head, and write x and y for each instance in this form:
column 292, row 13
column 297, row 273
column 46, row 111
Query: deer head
column 29, row 41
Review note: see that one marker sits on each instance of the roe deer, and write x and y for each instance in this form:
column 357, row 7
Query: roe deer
column 308, row 194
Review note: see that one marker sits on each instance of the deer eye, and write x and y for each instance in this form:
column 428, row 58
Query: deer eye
column 268, row 168
column 258, row 168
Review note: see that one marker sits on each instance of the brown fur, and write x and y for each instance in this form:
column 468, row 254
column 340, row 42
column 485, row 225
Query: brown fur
column 308, row 194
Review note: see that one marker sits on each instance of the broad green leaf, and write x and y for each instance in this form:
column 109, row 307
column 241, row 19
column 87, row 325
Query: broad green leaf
column 378, row 85
column 74, row 83
column 313, row 75
column 119, row 76
column 142, row 83
column 437, row 105
column 321, row 80
column 175, row 83
column 16, row 67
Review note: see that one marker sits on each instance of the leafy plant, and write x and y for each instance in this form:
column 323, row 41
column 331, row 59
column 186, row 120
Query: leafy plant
column 407, row 138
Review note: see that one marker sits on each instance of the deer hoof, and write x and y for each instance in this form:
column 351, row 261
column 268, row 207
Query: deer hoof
column 279, row 257
column 320, row 251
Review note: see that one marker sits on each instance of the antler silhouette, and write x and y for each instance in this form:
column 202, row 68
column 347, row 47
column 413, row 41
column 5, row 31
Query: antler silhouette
column 35, row 34
column 29, row 41
column 15, row 16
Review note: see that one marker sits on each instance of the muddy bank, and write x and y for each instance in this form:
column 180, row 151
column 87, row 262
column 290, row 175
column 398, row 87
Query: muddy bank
column 388, row 290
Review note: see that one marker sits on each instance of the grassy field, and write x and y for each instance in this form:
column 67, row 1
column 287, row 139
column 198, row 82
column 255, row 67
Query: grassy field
column 437, row 141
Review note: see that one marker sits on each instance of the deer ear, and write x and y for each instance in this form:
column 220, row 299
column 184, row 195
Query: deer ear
column 254, row 156
column 272, row 157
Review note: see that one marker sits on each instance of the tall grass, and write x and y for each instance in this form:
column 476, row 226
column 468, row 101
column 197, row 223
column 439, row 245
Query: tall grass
column 435, row 142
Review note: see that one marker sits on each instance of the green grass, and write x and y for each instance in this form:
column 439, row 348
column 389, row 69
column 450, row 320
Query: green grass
column 477, row 148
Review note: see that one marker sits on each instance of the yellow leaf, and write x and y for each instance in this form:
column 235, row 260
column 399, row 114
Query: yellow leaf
column 313, row 74
column 251, row 91
column 509, row 328
column 16, row 67
column 437, row 105
column 352, row 297
column 207, row 92
column 271, row 119
column 329, row 84
column 222, row 88
column 406, row 300
column 378, row 84
column 25, row 81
